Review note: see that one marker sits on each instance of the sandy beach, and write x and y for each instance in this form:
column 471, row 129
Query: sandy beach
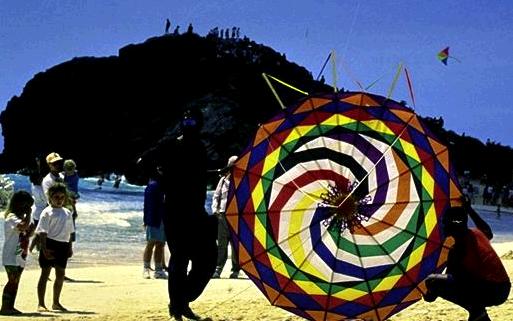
column 120, row 293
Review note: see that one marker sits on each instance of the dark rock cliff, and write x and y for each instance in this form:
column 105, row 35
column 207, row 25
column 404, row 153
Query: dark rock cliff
column 104, row 112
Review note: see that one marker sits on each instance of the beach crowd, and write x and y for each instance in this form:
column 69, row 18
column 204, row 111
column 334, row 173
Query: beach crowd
column 44, row 220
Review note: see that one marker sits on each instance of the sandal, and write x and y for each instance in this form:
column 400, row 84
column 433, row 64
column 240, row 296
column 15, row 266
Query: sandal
column 42, row 308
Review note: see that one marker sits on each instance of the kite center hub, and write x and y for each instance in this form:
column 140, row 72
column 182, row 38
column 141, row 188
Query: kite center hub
column 342, row 208
column 346, row 206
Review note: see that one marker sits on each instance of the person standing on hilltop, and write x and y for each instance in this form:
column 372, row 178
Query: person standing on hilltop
column 190, row 232
column 168, row 25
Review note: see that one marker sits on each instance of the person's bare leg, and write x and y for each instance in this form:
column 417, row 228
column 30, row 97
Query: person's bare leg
column 57, row 288
column 148, row 251
column 159, row 254
column 41, row 288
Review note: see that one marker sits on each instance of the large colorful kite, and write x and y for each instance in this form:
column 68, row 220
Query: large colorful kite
column 335, row 207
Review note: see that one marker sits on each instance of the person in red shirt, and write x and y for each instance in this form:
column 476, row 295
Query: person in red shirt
column 475, row 277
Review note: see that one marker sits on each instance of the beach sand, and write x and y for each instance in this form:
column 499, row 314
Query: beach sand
column 120, row 293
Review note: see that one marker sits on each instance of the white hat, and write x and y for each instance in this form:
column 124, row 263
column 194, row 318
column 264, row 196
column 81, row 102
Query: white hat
column 232, row 161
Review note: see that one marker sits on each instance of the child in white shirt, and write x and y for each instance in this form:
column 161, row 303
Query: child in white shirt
column 54, row 229
column 17, row 229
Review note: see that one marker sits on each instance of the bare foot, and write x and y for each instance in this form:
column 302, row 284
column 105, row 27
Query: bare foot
column 58, row 307
column 42, row 308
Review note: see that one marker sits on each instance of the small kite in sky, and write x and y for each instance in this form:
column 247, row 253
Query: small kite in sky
column 443, row 55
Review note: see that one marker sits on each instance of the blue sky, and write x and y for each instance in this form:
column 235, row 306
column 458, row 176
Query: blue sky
column 370, row 39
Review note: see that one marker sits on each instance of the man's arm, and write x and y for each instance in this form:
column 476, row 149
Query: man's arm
column 478, row 221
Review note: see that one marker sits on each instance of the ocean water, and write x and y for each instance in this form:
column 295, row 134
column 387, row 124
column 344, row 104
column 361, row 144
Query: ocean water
column 110, row 231
column 109, row 224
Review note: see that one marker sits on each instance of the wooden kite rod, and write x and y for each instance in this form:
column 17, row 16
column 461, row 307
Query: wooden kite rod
column 323, row 66
column 394, row 82
column 287, row 85
column 273, row 90
column 334, row 70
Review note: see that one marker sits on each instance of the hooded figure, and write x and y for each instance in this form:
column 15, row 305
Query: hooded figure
column 190, row 232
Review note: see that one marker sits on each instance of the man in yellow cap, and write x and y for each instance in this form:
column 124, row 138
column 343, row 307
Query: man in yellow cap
column 55, row 163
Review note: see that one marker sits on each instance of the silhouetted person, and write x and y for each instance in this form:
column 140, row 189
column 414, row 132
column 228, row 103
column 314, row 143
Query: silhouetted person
column 100, row 181
column 227, row 33
column 189, row 28
column 176, row 32
column 117, row 181
column 190, row 232
column 475, row 277
column 168, row 25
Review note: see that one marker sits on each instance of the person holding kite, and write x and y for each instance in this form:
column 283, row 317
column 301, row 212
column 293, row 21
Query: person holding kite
column 191, row 233
column 475, row 277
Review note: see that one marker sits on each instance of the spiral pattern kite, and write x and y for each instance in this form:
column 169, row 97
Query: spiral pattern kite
column 335, row 207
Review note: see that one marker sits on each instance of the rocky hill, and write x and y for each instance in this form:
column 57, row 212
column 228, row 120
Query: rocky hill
column 104, row 112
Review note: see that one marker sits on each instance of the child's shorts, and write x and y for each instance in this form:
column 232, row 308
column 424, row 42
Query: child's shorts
column 13, row 269
column 60, row 251
column 155, row 233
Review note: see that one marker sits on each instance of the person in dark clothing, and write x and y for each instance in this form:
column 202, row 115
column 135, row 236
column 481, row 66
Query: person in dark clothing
column 168, row 25
column 475, row 277
column 153, row 223
column 190, row 232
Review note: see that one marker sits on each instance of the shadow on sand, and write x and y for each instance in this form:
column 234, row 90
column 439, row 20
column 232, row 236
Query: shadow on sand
column 82, row 281
column 51, row 314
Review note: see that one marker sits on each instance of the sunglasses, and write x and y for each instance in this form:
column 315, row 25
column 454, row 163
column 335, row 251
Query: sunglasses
column 189, row 122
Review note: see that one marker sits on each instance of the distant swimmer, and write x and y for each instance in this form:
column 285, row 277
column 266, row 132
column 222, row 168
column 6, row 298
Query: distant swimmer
column 100, row 181
column 117, row 181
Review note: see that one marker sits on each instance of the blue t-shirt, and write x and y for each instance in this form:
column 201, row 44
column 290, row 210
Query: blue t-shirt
column 72, row 183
